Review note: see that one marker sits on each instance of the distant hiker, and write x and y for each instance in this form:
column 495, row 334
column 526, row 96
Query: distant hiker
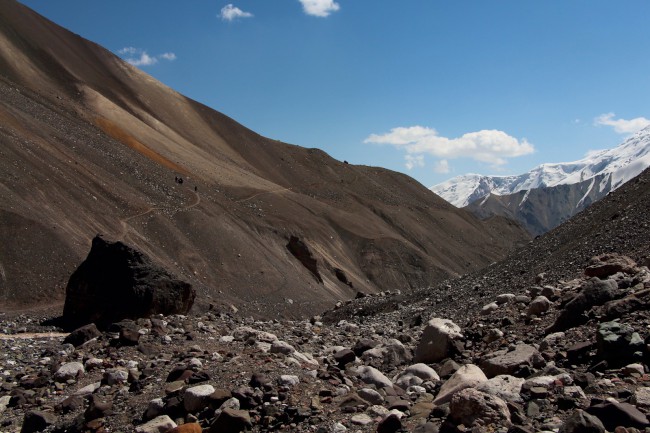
column 180, row 181
column 196, row 189
column 176, row 179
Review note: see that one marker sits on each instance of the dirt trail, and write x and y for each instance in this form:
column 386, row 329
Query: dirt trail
column 32, row 335
column 125, row 221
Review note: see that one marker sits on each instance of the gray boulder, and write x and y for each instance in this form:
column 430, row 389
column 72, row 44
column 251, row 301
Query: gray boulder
column 436, row 341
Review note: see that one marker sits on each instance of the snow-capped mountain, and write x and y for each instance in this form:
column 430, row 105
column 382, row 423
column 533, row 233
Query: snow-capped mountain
column 611, row 167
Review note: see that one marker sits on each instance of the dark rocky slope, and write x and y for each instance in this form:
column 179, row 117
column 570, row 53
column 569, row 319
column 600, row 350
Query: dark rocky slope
column 90, row 144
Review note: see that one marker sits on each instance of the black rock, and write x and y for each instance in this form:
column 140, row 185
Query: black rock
column 36, row 421
column 117, row 282
column 390, row 424
column 594, row 292
column 82, row 335
column 582, row 422
column 613, row 415
column 345, row 356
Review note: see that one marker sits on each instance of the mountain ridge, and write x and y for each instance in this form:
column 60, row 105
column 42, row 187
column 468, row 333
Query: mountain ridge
column 623, row 163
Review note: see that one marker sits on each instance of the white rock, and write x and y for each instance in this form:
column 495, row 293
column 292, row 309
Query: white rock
column 282, row 347
column 406, row 380
column 196, row 398
column 641, row 397
column 70, row 370
column 371, row 396
column 470, row 405
column 157, row 425
column 377, row 411
column 94, row 363
column 422, row 371
column 503, row 386
column 361, row 419
column 436, row 340
column 226, row 339
column 551, row 340
column 489, row 308
column 4, row 402
column 631, row 369
column 88, row 389
column 539, row 305
column 373, row 376
column 288, row 380
column 115, row 376
column 548, row 382
column 505, row 298
column 338, row 428
column 154, row 408
column 195, row 364
column 467, row 376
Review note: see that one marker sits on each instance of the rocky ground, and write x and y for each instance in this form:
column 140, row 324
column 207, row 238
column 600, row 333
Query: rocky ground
column 568, row 356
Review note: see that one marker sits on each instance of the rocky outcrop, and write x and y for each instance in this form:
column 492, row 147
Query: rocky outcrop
column 116, row 282
column 301, row 251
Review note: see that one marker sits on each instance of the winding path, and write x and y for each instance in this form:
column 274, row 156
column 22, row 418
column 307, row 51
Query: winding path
column 125, row 221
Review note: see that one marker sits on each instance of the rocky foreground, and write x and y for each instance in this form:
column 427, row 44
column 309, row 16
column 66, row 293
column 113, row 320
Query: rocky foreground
column 569, row 356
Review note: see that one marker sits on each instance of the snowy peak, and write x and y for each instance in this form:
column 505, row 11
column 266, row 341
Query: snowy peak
column 615, row 166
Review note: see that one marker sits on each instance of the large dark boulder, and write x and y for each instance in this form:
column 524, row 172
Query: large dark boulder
column 117, row 282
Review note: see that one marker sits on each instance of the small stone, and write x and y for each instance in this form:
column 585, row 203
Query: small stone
column 231, row 421
column 288, row 380
column 197, row 398
column 390, row 424
column 115, row 376
column 191, row 427
column 345, row 356
column 582, row 422
column 539, row 305
column 371, row 396
column 373, row 376
column 489, row 308
column 467, row 376
column 160, row 424
column 82, row 335
column 70, row 370
column 37, row 421
column 361, row 419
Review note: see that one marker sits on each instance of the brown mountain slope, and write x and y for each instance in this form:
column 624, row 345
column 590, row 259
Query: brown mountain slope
column 90, row 144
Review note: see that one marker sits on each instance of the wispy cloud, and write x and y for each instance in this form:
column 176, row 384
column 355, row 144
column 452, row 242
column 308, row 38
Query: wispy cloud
column 319, row 8
column 140, row 57
column 413, row 161
column 490, row 146
column 230, row 13
column 622, row 126
column 441, row 167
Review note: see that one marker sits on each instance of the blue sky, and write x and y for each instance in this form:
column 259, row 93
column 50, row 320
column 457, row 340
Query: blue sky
column 432, row 88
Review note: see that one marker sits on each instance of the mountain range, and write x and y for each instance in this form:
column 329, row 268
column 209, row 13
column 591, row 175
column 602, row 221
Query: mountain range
column 550, row 194
column 92, row 145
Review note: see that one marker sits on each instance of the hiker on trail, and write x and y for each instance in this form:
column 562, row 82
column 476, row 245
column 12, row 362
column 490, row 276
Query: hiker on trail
column 196, row 189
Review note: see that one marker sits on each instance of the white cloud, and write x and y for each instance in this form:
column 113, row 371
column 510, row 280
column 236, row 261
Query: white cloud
column 319, row 8
column 441, row 167
column 139, row 57
column 622, row 126
column 143, row 60
column 491, row 146
column 230, row 12
column 128, row 50
column 168, row 56
column 413, row 161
